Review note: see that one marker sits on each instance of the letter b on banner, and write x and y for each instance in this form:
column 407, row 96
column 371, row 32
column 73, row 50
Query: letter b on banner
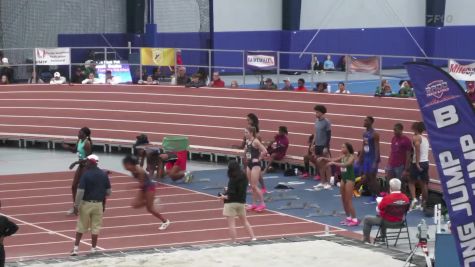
column 446, row 116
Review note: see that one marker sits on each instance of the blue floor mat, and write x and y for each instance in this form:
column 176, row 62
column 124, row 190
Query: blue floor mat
column 325, row 204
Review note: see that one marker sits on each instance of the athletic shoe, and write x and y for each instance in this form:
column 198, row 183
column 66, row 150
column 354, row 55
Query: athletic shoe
column 356, row 193
column 304, row 175
column 251, row 207
column 70, row 212
column 319, row 186
column 75, row 251
column 94, row 250
column 327, row 186
column 344, row 222
column 253, row 239
column 354, row 222
column 264, row 190
column 164, row 225
column 260, row 208
column 317, row 178
column 188, row 177
column 413, row 204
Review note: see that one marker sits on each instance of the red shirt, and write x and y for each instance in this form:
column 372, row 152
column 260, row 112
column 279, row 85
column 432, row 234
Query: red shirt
column 301, row 89
column 400, row 145
column 218, row 83
column 282, row 143
column 388, row 200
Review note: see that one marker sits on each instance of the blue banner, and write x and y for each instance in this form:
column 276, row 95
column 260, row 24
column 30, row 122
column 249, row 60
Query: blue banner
column 450, row 121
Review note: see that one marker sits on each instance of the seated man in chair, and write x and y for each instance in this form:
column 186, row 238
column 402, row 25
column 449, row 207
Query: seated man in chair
column 395, row 197
column 174, row 164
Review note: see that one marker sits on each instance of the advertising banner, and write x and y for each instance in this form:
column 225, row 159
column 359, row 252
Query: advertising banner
column 53, row 56
column 366, row 65
column 157, row 56
column 261, row 60
column 462, row 72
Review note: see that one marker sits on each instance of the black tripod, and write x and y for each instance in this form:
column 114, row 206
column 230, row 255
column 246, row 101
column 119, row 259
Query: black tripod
column 422, row 245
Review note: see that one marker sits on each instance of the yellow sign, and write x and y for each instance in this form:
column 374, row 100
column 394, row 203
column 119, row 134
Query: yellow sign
column 157, row 56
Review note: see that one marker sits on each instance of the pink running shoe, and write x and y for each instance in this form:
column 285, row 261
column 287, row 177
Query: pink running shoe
column 346, row 221
column 304, row 175
column 260, row 208
column 264, row 190
column 317, row 178
column 354, row 223
column 251, row 207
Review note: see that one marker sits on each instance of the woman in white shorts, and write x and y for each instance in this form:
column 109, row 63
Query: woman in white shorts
column 235, row 200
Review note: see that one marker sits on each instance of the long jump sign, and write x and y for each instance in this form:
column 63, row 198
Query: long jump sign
column 450, row 121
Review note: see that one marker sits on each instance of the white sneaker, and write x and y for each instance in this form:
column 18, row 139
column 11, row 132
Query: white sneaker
column 188, row 177
column 164, row 225
column 94, row 250
column 70, row 212
column 327, row 187
column 321, row 185
column 75, row 251
column 413, row 204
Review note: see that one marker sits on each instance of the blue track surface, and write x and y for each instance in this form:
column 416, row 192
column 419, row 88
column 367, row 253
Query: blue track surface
column 328, row 200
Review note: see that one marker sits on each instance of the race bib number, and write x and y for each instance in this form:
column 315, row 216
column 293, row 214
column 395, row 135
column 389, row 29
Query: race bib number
column 248, row 155
column 366, row 148
column 343, row 169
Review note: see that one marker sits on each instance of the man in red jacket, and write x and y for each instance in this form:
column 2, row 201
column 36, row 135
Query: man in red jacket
column 395, row 197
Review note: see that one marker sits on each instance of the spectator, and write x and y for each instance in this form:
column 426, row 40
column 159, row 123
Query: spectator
column 91, row 79
column 400, row 154
column 419, row 172
column 7, row 70
column 342, row 89
column 384, row 89
column 308, row 157
column 471, row 91
column 109, row 79
column 328, row 64
column 57, row 79
column 395, row 197
column 4, row 80
column 93, row 188
column 268, row 85
column 278, row 147
column 287, row 85
column 321, row 88
column 202, row 75
column 78, row 76
column 234, row 84
column 7, row 228
column 216, row 82
column 315, row 64
column 149, row 81
column 405, row 90
column 301, row 86
column 195, row 81
column 182, row 78
column 34, row 78
column 156, row 74
column 90, row 67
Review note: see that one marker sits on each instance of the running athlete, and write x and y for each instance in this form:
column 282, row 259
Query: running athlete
column 254, row 151
column 83, row 148
column 252, row 121
column 146, row 194
column 370, row 156
column 419, row 172
column 345, row 162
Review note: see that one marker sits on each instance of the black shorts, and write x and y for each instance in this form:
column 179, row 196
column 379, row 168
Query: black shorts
column 251, row 164
column 417, row 175
column 319, row 150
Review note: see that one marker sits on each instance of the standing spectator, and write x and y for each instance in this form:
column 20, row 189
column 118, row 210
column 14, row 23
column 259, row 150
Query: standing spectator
column 471, row 91
column 384, row 89
column 395, row 197
column 149, row 81
column 234, row 199
column 195, row 81
column 268, row 85
column 91, row 79
column 182, row 78
column 278, row 147
column 93, row 188
column 57, row 79
column 419, row 173
column 4, row 80
column 301, row 86
column 109, row 79
column 234, row 84
column 342, row 89
column 216, row 82
column 328, row 64
column 321, row 88
column 287, row 85
column 400, row 154
column 7, row 228
column 322, row 146
column 78, row 76
column 370, row 156
column 34, row 78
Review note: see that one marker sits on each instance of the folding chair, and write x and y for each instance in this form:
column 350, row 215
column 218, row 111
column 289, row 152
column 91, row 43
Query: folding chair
column 395, row 210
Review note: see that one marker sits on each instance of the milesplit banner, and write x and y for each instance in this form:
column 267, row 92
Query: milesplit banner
column 450, row 121
column 261, row 60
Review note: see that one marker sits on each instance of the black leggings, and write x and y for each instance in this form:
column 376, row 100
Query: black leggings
column 2, row 256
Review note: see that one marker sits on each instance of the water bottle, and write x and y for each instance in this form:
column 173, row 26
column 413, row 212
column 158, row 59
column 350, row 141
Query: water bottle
column 173, row 81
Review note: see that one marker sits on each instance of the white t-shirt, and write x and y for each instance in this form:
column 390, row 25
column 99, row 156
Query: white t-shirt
column 61, row 80
column 344, row 92
column 424, row 150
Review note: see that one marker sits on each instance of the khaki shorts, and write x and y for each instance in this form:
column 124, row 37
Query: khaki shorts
column 234, row 209
column 90, row 216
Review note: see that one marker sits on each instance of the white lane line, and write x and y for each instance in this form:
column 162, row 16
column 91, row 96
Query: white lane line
column 52, row 188
column 200, row 115
column 49, row 181
column 108, row 200
column 151, row 223
column 47, row 230
column 260, row 100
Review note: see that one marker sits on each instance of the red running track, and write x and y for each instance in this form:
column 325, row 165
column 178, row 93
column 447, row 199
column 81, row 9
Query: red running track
column 37, row 203
column 213, row 118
